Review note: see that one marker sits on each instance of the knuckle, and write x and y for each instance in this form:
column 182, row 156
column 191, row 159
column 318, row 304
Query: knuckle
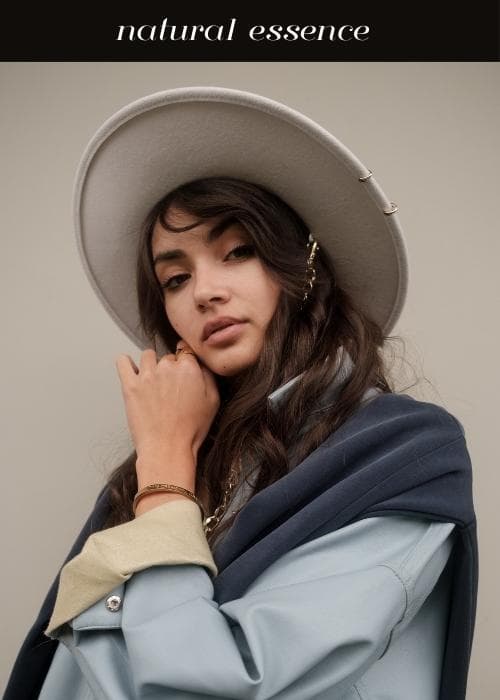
column 128, row 391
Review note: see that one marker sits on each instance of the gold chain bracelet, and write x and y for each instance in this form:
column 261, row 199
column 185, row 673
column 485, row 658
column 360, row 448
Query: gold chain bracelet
column 209, row 523
column 166, row 488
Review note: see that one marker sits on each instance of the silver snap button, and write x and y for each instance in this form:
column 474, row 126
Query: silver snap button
column 113, row 603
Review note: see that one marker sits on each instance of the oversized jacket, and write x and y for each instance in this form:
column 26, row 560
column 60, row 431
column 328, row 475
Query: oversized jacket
column 313, row 593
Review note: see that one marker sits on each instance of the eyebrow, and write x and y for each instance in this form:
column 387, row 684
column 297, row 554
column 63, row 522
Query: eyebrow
column 212, row 235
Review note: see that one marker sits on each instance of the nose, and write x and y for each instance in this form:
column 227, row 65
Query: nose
column 209, row 288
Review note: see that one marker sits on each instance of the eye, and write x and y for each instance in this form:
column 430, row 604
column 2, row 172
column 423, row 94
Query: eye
column 244, row 251
column 166, row 284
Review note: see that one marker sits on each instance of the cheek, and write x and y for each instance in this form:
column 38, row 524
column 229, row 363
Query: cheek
column 268, row 295
column 174, row 318
column 181, row 320
column 273, row 290
column 263, row 284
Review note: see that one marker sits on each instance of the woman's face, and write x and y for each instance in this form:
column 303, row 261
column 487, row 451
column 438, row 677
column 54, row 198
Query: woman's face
column 209, row 280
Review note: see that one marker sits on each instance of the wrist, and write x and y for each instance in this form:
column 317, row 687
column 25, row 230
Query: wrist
column 153, row 500
column 177, row 468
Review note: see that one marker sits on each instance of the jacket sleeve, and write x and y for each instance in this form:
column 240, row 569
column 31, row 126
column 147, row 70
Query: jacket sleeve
column 168, row 534
column 315, row 620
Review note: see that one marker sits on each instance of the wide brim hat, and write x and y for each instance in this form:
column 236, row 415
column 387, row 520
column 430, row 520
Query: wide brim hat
column 168, row 138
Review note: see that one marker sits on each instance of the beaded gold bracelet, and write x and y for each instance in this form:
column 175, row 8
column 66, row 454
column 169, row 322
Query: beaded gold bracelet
column 166, row 488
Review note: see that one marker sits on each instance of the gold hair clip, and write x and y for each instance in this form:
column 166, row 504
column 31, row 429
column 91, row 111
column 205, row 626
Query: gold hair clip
column 312, row 246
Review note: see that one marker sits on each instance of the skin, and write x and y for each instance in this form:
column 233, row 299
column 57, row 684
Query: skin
column 214, row 283
column 171, row 403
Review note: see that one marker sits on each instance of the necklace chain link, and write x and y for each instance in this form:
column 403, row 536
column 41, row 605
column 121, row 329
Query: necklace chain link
column 210, row 523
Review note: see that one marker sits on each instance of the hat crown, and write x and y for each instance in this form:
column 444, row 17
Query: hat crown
column 160, row 141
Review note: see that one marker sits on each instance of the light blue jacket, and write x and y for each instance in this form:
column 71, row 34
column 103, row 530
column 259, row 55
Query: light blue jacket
column 358, row 613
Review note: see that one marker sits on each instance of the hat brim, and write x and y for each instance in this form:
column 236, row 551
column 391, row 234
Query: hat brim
column 171, row 137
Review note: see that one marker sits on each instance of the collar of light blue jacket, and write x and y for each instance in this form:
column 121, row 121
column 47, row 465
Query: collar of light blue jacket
column 278, row 396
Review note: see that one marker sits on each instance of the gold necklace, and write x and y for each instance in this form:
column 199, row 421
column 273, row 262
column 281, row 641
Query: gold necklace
column 210, row 523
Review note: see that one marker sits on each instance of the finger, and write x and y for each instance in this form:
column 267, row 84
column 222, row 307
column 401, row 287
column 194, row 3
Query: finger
column 125, row 366
column 181, row 345
column 187, row 351
column 148, row 360
column 134, row 366
column 168, row 357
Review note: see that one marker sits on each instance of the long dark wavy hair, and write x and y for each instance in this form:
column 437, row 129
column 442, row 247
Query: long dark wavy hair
column 296, row 341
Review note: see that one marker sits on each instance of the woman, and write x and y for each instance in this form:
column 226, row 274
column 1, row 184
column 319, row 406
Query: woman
column 336, row 555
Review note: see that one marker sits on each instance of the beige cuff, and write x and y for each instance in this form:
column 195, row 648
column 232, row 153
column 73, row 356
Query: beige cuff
column 171, row 533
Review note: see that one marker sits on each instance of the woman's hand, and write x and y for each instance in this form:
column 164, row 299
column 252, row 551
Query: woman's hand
column 170, row 406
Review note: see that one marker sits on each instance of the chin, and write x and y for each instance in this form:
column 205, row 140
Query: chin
column 230, row 369
column 228, row 364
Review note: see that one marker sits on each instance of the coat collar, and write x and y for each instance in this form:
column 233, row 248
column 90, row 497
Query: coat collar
column 279, row 396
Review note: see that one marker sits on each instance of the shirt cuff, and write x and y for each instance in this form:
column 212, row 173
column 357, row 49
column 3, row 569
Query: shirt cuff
column 171, row 533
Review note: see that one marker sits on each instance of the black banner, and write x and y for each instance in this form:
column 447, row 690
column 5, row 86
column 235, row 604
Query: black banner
column 356, row 31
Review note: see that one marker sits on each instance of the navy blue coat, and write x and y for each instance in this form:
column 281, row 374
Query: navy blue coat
column 394, row 456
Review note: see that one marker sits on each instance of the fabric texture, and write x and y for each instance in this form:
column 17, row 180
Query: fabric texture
column 316, row 623
column 395, row 456
column 171, row 533
column 162, row 535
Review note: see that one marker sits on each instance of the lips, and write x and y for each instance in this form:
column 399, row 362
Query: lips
column 217, row 324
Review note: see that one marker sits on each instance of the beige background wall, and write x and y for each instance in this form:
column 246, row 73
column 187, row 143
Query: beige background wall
column 428, row 131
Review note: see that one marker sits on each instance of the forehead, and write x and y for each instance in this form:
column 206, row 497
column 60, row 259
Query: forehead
column 205, row 232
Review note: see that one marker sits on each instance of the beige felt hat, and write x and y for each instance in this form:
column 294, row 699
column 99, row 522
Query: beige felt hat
column 160, row 141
